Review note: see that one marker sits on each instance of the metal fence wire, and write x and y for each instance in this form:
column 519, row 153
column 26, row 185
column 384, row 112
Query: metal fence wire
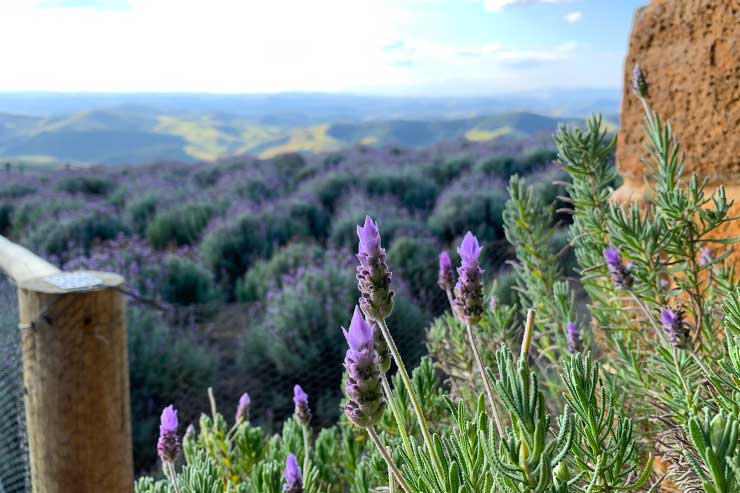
column 15, row 474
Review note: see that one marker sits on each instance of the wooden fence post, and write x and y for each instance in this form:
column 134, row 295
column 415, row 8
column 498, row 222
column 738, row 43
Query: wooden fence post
column 75, row 374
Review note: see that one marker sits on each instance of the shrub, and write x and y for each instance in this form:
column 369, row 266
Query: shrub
column 444, row 172
column 57, row 238
column 268, row 274
column 6, row 218
column 255, row 189
column 16, row 190
column 86, row 184
column 186, row 283
column 165, row 367
column 330, row 188
column 474, row 205
column 415, row 262
column 289, row 165
column 413, row 192
column 314, row 219
column 140, row 212
column 179, row 226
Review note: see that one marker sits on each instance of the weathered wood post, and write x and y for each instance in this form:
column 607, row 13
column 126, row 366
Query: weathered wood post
column 75, row 374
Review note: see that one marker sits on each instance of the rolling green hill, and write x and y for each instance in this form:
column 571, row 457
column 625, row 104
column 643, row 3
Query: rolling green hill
column 140, row 135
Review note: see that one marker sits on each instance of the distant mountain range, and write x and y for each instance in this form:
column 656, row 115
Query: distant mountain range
column 55, row 128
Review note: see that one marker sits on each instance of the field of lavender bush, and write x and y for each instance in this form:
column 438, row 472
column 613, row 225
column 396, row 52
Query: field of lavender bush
column 240, row 271
column 533, row 396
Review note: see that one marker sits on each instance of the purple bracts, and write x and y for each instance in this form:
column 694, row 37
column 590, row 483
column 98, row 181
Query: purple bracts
column 639, row 82
column 168, row 445
column 674, row 326
column 617, row 271
column 469, row 288
column 574, row 338
column 302, row 411
column 293, row 476
column 242, row 410
column 381, row 347
column 373, row 278
column 365, row 404
column 446, row 279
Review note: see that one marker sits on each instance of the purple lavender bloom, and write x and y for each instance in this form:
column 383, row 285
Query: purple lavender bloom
column 706, row 256
column 618, row 272
column 674, row 326
column 168, row 445
column 242, row 410
column 302, row 411
column 381, row 347
column 574, row 338
column 292, row 475
column 469, row 288
column 365, row 404
column 373, row 278
column 446, row 277
column 639, row 82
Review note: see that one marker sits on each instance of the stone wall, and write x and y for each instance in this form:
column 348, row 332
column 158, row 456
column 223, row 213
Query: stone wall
column 690, row 51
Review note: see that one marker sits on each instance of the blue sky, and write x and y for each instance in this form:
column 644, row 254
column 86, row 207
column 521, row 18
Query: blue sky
column 410, row 47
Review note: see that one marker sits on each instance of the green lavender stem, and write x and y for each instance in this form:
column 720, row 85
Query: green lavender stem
column 173, row 476
column 397, row 415
column 414, row 399
column 306, row 449
column 486, row 381
column 388, row 459
column 528, row 331
column 451, row 300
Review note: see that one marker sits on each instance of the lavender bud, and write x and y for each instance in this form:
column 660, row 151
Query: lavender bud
column 365, row 404
column 706, row 256
column 574, row 338
column 639, row 82
column 469, row 287
column 168, row 445
column 373, row 278
column 618, row 272
column 242, row 410
column 293, row 476
column 446, row 279
column 302, row 411
column 674, row 326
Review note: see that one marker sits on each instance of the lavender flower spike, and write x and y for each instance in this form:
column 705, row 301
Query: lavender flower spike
column 168, row 445
column 302, row 411
column 618, row 272
column 365, row 404
column 293, row 476
column 373, row 278
column 469, row 288
column 674, row 326
column 242, row 410
column 639, row 82
column 446, row 277
column 706, row 256
column 574, row 338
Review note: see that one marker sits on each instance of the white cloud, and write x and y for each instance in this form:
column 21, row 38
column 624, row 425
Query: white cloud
column 574, row 16
column 498, row 5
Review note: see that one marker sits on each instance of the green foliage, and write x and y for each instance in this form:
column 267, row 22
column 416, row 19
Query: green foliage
column 414, row 259
column 59, row 237
column 166, row 367
column 184, row 282
column 140, row 212
column 412, row 191
column 444, row 172
column 6, row 217
column 179, row 226
column 86, row 184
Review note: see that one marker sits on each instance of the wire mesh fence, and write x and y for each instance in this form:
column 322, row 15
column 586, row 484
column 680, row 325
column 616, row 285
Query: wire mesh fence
column 14, row 467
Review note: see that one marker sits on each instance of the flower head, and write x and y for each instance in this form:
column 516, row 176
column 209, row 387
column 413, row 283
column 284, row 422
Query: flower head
column 446, row 276
column 469, row 287
column 302, row 411
column 674, row 326
column 574, row 338
column 168, row 445
column 373, row 277
column 365, row 404
column 292, row 475
column 369, row 236
column 639, row 82
column 242, row 410
column 619, row 273
column 706, row 256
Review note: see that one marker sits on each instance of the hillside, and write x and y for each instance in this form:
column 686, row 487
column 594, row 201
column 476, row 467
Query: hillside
column 128, row 135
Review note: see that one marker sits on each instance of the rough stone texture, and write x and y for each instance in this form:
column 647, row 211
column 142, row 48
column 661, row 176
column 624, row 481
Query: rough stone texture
column 690, row 51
